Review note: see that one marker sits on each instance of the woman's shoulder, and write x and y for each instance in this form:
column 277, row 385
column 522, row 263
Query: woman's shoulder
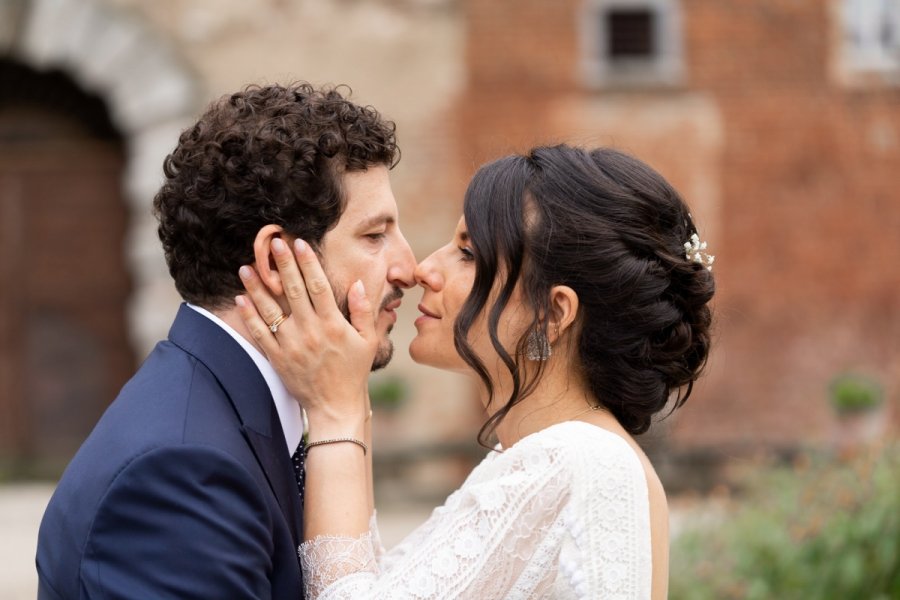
column 533, row 456
column 582, row 462
column 588, row 452
column 580, row 438
column 571, row 446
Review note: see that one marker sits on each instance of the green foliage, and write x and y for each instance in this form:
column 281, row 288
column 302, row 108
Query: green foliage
column 388, row 393
column 851, row 392
column 817, row 531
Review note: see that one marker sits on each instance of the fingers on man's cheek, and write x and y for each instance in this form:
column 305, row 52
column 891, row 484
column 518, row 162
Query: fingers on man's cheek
column 295, row 290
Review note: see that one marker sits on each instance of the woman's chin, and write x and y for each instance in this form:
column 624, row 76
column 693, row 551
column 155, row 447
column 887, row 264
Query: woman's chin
column 425, row 354
column 418, row 353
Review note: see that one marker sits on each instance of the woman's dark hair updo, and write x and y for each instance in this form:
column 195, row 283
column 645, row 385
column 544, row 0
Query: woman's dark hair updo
column 612, row 229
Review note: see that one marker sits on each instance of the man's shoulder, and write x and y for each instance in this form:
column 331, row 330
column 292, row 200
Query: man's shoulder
column 170, row 373
column 169, row 420
column 172, row 400
column 177, row 495
column 173, row 406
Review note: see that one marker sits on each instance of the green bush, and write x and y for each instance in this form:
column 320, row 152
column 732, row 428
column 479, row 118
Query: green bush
column 820, row 531
column 851, row 392
column 388, row 393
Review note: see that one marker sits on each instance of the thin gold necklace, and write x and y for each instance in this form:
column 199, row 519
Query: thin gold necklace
column 587, row 410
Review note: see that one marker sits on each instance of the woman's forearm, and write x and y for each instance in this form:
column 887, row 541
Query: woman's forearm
column 337, row 497
column 370, row 482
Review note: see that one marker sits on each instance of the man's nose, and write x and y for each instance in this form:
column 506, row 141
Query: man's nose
column 403, row 266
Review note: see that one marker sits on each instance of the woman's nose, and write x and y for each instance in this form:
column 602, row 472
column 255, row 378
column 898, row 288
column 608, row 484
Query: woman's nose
column 426, row 273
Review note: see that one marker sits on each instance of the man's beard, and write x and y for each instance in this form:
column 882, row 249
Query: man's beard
column 385, row 346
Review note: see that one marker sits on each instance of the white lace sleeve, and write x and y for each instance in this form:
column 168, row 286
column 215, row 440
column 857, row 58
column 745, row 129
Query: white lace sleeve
column 327, row 560
column 377, row 546
column 497, row 536
column 333, row 561
column 609, row 520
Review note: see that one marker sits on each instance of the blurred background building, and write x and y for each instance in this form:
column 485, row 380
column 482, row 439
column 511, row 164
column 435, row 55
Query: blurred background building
column 778, row 120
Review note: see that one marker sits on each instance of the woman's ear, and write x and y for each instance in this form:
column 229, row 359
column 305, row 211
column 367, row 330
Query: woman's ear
column 563, row 310
column 264, row 261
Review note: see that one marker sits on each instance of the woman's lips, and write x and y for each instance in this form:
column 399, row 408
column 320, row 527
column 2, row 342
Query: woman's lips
column 426, row 316
column 427, row 312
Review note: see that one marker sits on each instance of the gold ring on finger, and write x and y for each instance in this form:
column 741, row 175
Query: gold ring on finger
column 274, row 326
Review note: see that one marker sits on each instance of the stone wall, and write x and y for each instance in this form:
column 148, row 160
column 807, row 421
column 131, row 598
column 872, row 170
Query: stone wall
column 157, row 64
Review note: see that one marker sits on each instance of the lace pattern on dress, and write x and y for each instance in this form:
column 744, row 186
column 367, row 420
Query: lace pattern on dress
column 326, row 559
column 501, row 534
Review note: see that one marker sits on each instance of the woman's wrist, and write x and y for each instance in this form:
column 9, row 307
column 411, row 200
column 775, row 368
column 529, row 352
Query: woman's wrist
column 339, row 440
column 335, row 426
column 333, row 418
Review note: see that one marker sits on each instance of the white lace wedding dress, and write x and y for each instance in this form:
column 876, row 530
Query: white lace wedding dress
column 563, row 513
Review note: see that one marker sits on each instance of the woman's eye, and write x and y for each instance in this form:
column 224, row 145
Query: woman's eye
column 375, row 237
column 467, row 254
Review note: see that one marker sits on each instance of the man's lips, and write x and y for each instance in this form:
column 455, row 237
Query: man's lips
column 393, row 300
column 393, row 305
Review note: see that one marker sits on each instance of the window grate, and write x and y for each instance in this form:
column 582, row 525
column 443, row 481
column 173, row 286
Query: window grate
column 630, row 34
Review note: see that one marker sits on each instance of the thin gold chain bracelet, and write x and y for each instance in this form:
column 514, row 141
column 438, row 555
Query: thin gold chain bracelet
column 338, row 441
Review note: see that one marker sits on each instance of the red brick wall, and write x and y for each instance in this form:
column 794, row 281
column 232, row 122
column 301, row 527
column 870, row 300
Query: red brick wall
column 809, row 280
column 807, row 229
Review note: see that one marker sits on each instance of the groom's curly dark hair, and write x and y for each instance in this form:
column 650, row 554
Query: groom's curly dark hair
column 267, row 154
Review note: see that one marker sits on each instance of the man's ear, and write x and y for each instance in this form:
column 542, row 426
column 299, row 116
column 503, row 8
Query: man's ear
column 563, row 310
column 264, row 261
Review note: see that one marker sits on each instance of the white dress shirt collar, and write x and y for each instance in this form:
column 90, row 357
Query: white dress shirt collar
column 289, row 412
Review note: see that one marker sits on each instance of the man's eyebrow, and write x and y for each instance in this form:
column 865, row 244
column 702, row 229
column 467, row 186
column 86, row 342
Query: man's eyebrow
column 376, row 220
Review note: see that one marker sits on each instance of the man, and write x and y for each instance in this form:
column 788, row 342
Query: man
column 186, row 488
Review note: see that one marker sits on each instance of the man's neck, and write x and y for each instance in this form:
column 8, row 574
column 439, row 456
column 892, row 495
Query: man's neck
column 233, row 319
column 289, row 412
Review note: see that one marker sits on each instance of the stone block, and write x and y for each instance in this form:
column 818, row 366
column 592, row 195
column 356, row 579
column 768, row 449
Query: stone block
column 143, row 249
column 153, row 88
column 12, row 13
column 106, row 47
column 150, row 313
column 146, row 151
column 45, row 25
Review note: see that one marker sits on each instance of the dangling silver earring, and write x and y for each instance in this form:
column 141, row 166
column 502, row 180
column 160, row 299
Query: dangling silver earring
column 537, row 347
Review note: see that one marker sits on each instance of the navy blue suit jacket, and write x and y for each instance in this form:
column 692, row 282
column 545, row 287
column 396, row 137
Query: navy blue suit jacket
column 185, row 487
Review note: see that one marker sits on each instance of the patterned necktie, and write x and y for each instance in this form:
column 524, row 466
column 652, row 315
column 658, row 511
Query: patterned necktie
column 297, row 461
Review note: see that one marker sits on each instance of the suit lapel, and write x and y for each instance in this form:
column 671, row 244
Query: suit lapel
column 275, row 462
column 252, row 401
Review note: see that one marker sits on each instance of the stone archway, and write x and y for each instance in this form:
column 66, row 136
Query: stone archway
column 151, row 96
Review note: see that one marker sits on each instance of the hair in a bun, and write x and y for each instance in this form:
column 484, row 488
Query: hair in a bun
column 612, row 229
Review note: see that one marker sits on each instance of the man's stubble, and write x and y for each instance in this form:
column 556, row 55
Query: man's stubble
column 385, row 346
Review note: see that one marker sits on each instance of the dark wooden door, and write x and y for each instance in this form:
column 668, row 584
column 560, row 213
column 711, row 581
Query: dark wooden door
column 64, row 349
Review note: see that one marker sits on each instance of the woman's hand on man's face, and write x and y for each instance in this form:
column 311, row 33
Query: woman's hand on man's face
column 323, row 360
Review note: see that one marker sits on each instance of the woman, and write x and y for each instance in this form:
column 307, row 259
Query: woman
column 576, row 291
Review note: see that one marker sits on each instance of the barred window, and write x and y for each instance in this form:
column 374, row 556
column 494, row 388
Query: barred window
column 628, row 43
column 871, row 35
column 630, row 34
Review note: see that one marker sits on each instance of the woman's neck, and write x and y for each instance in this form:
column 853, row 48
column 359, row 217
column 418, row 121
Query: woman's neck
column 559, row 396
